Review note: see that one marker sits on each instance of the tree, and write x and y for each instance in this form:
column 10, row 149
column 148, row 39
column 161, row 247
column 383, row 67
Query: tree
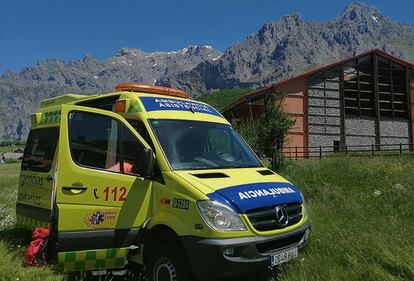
column 272, row 130
column 6, row 140
column 219, row 99
column 266, row 135
column 247, row 128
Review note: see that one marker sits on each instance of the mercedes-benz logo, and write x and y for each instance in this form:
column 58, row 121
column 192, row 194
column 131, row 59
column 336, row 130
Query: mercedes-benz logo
column 282, row 216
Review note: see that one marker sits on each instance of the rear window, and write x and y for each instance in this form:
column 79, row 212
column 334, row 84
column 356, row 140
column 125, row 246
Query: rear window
column 40, row 149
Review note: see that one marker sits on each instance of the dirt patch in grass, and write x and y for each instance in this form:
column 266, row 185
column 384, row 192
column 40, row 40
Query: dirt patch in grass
column 10, row 169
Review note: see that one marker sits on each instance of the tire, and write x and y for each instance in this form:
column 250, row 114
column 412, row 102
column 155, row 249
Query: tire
column 168, row 263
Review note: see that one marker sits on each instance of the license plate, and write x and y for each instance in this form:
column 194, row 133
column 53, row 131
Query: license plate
column 283, row 256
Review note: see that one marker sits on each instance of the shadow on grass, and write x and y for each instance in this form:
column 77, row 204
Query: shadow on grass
column 266, row 274
column 19, row 239
column 15, row 236
column 399, row 271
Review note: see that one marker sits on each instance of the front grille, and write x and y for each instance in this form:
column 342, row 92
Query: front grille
column 264, row 219
column 271, row 246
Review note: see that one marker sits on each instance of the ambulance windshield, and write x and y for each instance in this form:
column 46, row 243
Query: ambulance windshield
column 193, row 145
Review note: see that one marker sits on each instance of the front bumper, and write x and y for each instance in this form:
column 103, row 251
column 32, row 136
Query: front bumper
column 209, row 261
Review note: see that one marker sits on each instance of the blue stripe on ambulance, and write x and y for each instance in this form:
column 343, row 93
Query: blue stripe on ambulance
column 155, row 103
column 247, row 197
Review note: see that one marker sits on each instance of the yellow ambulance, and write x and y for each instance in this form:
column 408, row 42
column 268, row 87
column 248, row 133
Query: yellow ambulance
column 146, row 178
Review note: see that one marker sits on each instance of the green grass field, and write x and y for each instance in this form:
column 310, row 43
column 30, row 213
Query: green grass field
column 362, row 213
column 5, row 149
column 12, row 242
column 10, row 148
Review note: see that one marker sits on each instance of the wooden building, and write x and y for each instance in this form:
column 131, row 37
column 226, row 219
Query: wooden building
column 364, row 100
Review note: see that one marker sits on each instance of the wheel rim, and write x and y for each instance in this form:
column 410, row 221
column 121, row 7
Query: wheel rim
column 164, row 270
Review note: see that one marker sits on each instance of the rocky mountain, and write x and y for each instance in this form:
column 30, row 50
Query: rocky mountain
column 21, row 93
column 277, row 51
column 288, row 47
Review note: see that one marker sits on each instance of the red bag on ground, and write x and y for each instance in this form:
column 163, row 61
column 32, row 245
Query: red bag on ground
column 36, row 251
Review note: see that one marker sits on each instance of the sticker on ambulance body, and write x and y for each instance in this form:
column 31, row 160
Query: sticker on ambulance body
column 101, row 218
column 156, row 103
column 251, row 196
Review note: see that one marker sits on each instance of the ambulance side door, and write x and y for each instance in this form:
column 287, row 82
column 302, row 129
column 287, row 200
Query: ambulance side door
column 100, row 190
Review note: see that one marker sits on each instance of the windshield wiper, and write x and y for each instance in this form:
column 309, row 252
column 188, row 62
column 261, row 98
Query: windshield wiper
column 246, row 166
column 220, row 167
column 196, row 168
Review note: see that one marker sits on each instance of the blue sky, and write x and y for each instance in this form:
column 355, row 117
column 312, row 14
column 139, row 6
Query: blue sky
column 31, row 30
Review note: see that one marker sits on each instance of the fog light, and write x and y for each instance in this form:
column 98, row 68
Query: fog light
column 228, row 252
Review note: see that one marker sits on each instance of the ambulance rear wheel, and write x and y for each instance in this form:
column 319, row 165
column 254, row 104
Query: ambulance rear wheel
column 167, row 263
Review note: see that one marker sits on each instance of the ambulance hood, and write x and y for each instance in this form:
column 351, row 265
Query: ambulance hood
column 243, row 189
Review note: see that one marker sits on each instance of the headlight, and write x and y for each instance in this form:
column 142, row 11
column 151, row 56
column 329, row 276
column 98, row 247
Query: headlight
column 220, row 217
column 304, row 211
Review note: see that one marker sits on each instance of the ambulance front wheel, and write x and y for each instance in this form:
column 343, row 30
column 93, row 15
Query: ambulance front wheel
column 168, row 263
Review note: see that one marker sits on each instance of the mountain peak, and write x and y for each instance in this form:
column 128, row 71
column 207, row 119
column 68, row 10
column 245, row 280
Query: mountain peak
column 199, row 49
column 360, row 10
column 89, row 58
column 128, row 51
column 292, row 19
column 287, row 22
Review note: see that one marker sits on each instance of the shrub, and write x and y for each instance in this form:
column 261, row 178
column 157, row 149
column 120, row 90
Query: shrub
column 271, row 134
column 247, row 128
column 266, row 135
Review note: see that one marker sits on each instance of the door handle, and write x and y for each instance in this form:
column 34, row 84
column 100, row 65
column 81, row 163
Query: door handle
column 73, row 190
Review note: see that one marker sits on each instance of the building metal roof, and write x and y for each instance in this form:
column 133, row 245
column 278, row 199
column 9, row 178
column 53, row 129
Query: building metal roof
column 273, row 87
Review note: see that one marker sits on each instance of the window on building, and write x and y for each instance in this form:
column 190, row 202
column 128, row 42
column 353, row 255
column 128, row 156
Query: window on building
column 392, row 88
column 359, row 87
column 336, row 146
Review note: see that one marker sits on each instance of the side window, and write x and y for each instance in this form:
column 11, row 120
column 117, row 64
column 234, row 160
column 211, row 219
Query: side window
column 219, row 141
column 132, row 151
column 93, row 140
column 139, row 126
column 142, row 131
column 101, row 142
column 40, row 150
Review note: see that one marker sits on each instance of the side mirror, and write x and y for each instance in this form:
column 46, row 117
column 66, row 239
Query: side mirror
column 146, row 165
